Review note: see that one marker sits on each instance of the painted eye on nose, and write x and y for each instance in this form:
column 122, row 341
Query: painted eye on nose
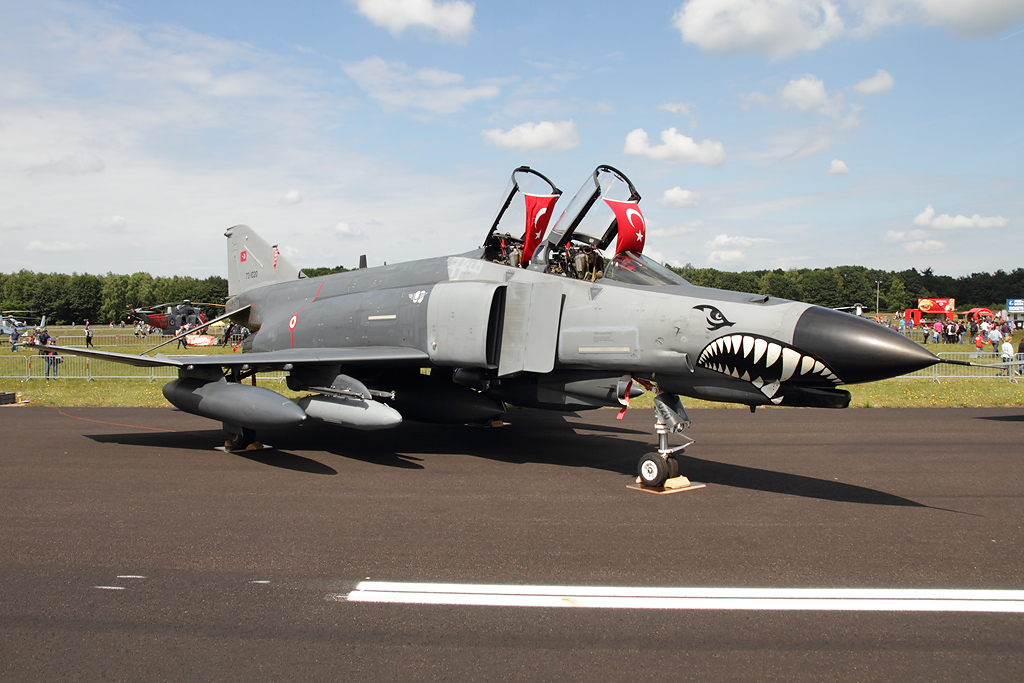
column 715, row 318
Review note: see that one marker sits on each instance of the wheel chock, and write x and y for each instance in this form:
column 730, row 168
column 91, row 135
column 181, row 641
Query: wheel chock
column 673, row 485
column 251, row 447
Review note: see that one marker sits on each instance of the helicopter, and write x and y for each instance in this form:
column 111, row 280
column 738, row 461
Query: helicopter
column 8, row 323
column 168, row 317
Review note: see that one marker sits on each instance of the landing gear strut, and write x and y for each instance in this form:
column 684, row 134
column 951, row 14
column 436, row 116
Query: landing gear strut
column 671, row 417
column 239, row 441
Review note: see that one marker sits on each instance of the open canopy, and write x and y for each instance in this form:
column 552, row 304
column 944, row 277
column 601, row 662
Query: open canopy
column 594, row 223
column 519, row 226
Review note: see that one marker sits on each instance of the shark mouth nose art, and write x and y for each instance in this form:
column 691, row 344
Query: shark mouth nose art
column 763, row 362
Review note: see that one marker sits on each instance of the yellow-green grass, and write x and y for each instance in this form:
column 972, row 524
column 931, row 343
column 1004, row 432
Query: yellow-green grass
column 917, row 392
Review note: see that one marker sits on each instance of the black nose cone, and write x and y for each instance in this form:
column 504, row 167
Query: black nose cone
column 856, row 349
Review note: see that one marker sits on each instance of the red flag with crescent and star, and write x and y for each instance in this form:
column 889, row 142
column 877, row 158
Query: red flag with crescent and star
column 632, row 229
column 538, row 215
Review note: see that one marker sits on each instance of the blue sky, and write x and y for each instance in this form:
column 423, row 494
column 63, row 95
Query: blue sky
column 761, row 134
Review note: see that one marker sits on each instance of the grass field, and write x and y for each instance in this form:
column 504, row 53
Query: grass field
column 893, row 393
column 903, row 392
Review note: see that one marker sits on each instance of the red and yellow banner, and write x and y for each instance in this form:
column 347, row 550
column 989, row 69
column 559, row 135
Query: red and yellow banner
column 937, row 305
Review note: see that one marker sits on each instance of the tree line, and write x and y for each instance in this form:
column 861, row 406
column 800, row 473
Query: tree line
column 104, row 298
column 851, row 285
column 66, row 299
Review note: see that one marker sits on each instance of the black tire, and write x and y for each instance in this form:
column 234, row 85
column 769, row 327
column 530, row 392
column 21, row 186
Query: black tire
column 673, row 468
column 238, row 442
column 653, row 470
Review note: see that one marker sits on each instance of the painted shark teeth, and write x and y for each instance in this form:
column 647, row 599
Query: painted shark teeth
column 763, row 362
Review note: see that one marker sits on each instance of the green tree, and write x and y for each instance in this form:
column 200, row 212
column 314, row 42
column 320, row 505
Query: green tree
column 85, row 297
column 778, row 283
column 823, row 287
column 114, row 297
column 896, row 297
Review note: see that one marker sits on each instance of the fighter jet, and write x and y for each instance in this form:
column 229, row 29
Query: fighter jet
column 532, row 318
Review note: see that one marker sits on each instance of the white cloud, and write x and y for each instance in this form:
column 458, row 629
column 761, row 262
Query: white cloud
column 727, row 249
column 395, row 85
column 780, row 29
column 675, row 231
column 807, row 94
column 675, row 148
column 451, row 20
column 726, row 256
column 900, row 236
column 681, row 108
column 799, row 143
column 546, row 135
column 291, row 197
column 965, row 18
column 74, row 163
column 925, row 247
column 881, row 82
column 838, row 167
column 677, row 196
column 915, row 242
column 724, row 240
column 927, row 218
column 777, row 28
column 114, row 224
column 55, row 246
column 346, row 230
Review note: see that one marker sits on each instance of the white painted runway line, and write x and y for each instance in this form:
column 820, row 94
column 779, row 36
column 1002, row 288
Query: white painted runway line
column 628, row 597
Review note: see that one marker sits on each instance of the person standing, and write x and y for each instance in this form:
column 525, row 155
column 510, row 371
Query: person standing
column 14, row 340
column 88, row 335
column 1006, row 355
column 49, row 356
column 995, row 337
column 181, row 332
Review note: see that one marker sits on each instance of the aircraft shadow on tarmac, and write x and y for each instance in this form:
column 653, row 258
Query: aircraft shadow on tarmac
column 535, row 438
column 1003, row 418
column 205, row 440
column 790, row 484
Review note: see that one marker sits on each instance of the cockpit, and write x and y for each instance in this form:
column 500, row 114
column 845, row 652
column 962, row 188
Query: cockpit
column 606, row 208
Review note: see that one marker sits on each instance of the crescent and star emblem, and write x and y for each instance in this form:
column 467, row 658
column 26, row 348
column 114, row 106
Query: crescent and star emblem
column 639, row 230
column 537, row 218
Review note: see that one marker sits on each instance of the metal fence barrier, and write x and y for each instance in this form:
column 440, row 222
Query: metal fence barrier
column 985, row 367
column 128, row 339
column 33, row 366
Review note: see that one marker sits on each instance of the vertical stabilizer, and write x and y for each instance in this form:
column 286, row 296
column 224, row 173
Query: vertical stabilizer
column 254, row 263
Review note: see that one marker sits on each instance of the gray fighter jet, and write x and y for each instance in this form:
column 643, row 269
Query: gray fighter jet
column 532, row 318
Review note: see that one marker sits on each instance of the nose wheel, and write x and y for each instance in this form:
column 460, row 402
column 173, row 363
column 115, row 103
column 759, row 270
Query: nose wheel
column 670, row 417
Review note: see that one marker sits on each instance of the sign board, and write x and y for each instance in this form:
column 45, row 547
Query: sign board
column 933, row 306
column 1015, row 305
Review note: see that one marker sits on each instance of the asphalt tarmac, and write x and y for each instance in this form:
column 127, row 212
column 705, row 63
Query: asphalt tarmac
column 130, row 549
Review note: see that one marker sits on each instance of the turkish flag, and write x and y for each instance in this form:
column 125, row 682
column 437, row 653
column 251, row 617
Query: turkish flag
column 632, row 229
column 242, row 257
column 538, row 215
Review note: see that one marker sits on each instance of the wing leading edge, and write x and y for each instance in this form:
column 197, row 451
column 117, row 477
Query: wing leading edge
column 261, row 360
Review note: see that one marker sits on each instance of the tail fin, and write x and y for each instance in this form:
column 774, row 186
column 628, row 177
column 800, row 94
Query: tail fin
column 254, row 263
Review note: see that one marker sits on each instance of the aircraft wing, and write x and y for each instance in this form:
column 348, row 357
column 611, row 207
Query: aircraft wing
column 262, row 360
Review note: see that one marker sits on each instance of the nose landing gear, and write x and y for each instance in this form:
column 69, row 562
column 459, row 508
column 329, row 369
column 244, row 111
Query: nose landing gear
column 670, row 417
